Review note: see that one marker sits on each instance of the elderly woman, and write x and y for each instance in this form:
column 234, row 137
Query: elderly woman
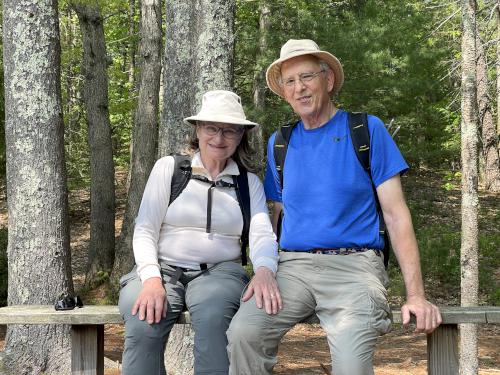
column 187, row 252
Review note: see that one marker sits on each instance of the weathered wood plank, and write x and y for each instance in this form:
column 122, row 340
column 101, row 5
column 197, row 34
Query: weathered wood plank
column 46, row 314
column 87, row 350
column 442, row 350
column 35, row 314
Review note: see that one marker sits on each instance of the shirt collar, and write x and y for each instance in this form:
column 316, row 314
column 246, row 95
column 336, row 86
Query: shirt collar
column 198, row 168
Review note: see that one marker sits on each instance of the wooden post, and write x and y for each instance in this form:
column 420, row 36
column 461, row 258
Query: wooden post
column 442, row 350
column 87, row 352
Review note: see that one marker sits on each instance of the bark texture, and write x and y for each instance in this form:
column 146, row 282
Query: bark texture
column 38, row 242
column 145, row 130
column 102, row 170
column 198, row 57
column 260, row 86
column 498, row 67
column 489, row 141
column 469, row 153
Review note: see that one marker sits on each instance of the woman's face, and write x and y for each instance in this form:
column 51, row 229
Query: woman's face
column 218, row 141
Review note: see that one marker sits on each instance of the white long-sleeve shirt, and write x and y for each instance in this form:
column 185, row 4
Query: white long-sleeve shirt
column 177, row 234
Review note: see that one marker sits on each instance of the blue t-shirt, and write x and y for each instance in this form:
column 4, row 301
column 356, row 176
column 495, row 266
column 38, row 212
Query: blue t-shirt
column 327, row 196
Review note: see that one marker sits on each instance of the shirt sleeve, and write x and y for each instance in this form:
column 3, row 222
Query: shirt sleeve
column 272, row 185
column 151, row 214
column 262, row 240
column 386, row 160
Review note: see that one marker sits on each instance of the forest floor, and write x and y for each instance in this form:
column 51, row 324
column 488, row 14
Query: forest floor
column 304, row 350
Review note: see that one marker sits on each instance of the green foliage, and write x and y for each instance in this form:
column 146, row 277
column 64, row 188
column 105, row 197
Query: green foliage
column 451, row 180
column 394, row 65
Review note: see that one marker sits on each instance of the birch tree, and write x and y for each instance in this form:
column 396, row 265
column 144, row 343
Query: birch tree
column 145, row 129
column 38, row 240
column 469, row 154
column 102, row 170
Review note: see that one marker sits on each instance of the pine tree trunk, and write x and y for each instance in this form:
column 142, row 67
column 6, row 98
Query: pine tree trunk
column 260, row 86
column 469, row 139
column 38, row 241
column 488, row 137
column 198, row 57
column 132, row 44
column 498, row 67
column 102, row 171
column 145, row 130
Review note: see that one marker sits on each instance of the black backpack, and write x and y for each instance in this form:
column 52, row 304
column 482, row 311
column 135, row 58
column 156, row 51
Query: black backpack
column 181, row 177
column 360, row 135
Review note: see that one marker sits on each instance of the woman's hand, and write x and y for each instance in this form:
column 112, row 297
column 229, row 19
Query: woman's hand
column 266, row 290
column 151, row 301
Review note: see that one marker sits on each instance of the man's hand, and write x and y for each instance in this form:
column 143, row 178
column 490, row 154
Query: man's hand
column 427, row 315
column 151, row 301
column 266, row 290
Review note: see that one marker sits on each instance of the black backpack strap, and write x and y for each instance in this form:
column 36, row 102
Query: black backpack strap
column 243, row 195
column 281, row 146
column 360, row 136
column 180, row 177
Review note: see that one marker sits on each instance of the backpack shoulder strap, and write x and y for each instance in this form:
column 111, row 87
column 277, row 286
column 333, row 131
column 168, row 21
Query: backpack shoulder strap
column 180, row 177
column 243, row 195
column 360, row 136
column 281, row 147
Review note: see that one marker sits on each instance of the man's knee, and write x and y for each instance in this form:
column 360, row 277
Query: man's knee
column 241, row 330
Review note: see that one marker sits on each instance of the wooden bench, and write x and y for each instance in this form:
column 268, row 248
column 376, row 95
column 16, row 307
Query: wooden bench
column 87, row 330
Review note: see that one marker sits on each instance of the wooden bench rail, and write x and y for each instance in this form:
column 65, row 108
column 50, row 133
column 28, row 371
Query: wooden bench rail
column 87, row 352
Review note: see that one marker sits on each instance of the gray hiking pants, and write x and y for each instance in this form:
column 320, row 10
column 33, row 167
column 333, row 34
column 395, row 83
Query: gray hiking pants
column 212, row 298
column 347, row 293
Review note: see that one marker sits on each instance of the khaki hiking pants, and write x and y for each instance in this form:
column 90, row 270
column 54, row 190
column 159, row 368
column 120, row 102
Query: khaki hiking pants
column 346, row 292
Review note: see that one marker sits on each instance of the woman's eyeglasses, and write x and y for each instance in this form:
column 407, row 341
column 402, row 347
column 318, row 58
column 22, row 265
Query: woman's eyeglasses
column 228, row 133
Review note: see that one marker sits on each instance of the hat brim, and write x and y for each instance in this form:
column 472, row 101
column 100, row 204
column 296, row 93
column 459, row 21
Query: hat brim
column 273, row 73
column 219, row 118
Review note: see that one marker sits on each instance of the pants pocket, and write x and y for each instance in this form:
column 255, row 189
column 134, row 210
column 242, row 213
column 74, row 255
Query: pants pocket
column 125, row 279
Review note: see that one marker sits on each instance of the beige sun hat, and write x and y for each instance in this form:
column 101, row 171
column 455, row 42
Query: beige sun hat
column 221, row 106
column 299, row 47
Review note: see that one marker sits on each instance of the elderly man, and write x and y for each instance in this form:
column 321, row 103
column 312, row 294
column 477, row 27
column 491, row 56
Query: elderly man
column 331, row 260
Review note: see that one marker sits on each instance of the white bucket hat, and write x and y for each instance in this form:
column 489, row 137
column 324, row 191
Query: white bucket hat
column 300, row 47
column 221, row 106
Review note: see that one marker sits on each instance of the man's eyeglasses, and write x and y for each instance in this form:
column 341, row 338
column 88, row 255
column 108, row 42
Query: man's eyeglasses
column 304, row 77
column 228, row 133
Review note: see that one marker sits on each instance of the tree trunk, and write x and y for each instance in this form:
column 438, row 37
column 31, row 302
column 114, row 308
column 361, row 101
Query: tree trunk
column 39, row 267
column 488, row 137
column 132, row 44
column 260, row 86
column 469, row 140
column 102, row 171
column 145, row 130
column 498, row 66
column 198, row 57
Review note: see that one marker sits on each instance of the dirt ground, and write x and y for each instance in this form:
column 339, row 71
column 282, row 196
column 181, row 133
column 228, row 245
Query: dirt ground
column 304, row 350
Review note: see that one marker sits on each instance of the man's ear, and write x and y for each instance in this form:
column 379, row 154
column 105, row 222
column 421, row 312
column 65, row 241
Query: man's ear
column 330, row 77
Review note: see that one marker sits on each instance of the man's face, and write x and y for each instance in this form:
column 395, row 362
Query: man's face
column 307, row 96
